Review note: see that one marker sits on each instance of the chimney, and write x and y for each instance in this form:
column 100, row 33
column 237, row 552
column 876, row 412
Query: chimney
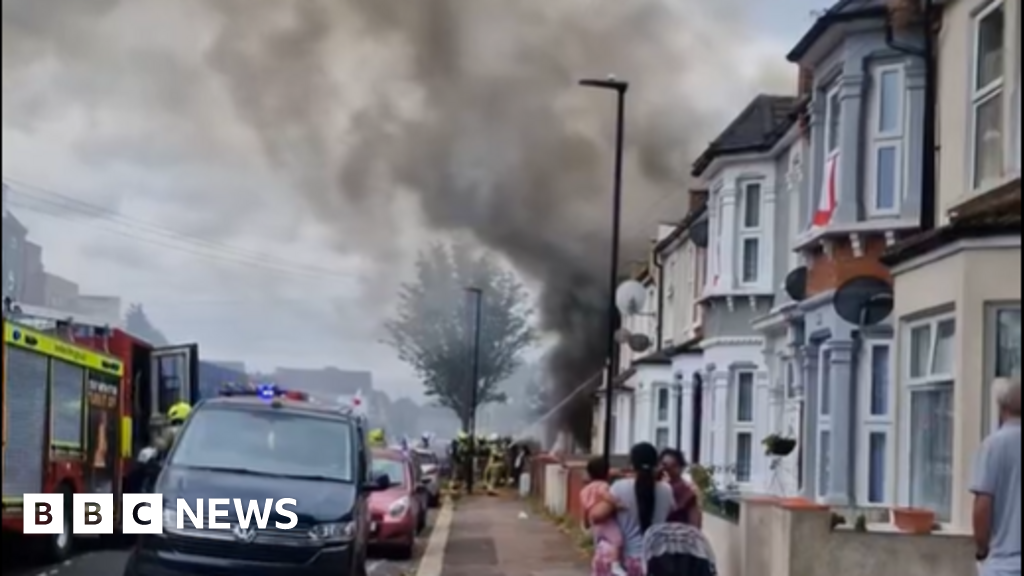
column 805, row 82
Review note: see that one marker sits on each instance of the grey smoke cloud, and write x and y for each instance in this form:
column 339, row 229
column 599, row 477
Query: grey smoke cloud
column 384, row 117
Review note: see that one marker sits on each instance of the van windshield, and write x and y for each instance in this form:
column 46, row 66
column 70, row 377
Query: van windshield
column 274, row 442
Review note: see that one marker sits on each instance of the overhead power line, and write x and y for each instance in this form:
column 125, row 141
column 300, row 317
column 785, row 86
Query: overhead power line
column 59, row 206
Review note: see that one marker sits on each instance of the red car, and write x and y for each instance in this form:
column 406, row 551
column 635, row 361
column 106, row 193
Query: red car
column 396, row 515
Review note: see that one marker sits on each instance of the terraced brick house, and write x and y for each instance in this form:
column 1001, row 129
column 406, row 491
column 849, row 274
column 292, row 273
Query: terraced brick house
column 744, row 170
column 864, row 82
column 958, row 287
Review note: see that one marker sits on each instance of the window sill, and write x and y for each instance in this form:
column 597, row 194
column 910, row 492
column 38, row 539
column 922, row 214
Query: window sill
column 812, row 238
column 980, row 200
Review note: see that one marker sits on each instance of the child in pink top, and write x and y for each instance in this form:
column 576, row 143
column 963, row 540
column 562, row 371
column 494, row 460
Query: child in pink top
column 598, row 490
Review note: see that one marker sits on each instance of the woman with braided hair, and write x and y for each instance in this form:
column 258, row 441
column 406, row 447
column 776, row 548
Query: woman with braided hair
column 643, row 503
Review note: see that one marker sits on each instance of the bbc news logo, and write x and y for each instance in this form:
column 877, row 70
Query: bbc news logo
column 147, row 514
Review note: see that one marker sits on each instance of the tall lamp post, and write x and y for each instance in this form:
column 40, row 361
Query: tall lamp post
column 476, row 305
column 620, row 88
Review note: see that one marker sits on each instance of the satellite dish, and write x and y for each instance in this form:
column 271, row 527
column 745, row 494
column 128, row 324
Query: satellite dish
column 630, row 298
column 796, row 284
column 864, row 301
column 639, row 342
column 699, row 234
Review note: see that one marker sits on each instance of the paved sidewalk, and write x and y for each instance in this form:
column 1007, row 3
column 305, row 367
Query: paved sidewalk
column 489, row 537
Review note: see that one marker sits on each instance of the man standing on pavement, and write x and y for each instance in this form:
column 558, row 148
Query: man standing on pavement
column 997, row 488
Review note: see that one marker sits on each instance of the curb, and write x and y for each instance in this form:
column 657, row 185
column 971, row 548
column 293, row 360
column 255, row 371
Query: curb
column 432, row 563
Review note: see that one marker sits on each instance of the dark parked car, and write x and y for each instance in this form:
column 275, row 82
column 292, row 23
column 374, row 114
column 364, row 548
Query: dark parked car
column 257, row 449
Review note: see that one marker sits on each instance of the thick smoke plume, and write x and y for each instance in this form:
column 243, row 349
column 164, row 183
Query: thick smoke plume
column 460, row 116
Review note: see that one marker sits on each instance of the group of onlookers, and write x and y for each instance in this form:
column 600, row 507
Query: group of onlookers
column 651, row 522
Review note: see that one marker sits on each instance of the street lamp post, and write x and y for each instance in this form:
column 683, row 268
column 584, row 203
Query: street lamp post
column 620, row 88
column 474, row 389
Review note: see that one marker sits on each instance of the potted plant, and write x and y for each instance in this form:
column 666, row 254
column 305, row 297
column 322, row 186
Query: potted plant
column 778, row 445
column 914, row 520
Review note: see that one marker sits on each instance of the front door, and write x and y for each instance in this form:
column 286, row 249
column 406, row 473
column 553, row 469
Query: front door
column 174, row 377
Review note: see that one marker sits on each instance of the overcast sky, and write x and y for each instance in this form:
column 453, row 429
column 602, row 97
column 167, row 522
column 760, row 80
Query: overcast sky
column 145, row 185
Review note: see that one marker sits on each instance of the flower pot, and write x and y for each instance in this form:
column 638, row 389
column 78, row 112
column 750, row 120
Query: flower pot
column 782, row 447
column 914, row 520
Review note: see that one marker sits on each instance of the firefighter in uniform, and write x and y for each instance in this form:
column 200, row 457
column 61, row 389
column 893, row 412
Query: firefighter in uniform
column 495, row 464
column 377, row 438
column 459, row 458
column 164, row 441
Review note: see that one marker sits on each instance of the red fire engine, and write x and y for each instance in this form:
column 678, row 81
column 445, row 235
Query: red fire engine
column 79, row 402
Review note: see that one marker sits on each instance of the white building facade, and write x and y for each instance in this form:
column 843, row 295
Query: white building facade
column 741, row 171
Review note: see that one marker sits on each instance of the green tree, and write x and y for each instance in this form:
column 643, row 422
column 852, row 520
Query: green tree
column 434, row 326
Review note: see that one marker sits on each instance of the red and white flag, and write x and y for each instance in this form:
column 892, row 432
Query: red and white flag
column 829, row 194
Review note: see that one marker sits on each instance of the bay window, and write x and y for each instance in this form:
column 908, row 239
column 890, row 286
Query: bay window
column 751, row 200
column 744, row 425
column 833, row 117
column 930, row 346
column 699, row 269
column 663, row 407
column 751, row 260
column 988, row 100
column 1002, row 326
column 824, row 411
column 877, row 422
column 885, row 161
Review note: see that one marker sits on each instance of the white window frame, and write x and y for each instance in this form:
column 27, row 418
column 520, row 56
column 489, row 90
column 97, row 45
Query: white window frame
column 880, row 139
column 699, row 268
column 992, row 313
column 753, row 401
column 796, row 213
column 658, row 391
column 750, row 233
column 831, row 93
column 744, row 204
column 742, row 260
column 743, row 427
column 983, row 95
column 668, row 437
column 824, row 423
column 872, row 424
column 912, row 384
column 1015, row 124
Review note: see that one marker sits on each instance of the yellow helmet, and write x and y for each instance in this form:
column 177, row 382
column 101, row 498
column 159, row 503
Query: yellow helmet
column 377, row 436
column 179, row 412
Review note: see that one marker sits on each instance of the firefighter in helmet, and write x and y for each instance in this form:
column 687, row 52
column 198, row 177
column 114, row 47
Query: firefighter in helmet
column 176, row 417
column 376, row 438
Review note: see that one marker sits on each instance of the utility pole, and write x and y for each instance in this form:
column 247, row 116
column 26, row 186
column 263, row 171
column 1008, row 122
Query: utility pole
column 620, row 88
column 474, row 389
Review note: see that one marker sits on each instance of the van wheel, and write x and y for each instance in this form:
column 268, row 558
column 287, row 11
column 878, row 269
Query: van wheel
column 57, row 548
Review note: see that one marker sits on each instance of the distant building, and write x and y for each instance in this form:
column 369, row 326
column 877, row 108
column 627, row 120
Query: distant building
column 14, row 239
column 107, row 308
column 325, row 382
column 60, row 293
column 33, row 277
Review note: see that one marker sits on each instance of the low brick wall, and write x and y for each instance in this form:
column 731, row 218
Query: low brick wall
column 795, row 537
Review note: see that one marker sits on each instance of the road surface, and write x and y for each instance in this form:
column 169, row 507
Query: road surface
column 95, row 561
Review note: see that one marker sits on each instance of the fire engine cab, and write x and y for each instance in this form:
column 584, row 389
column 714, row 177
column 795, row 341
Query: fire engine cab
column 80, row 401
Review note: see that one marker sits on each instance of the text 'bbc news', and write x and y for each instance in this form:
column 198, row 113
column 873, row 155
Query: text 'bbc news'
column 148, row 514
